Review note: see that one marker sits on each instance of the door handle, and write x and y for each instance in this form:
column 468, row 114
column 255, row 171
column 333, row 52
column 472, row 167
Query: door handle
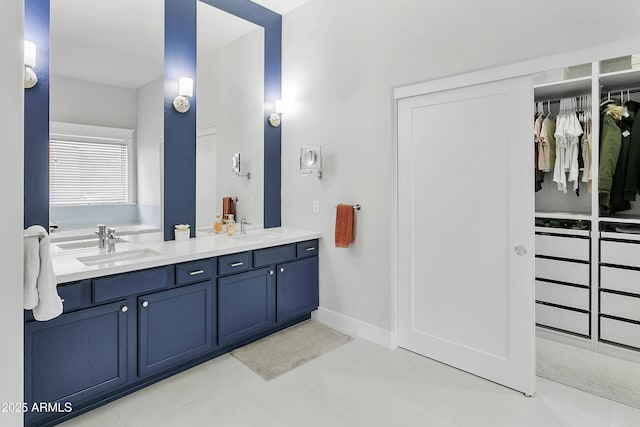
column 520, row 250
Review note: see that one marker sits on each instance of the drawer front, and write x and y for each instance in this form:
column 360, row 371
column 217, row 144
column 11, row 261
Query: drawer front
column 276, row 255
column 563, row 271
column 620, row 279
column 569, row 296
column 619, row 332
column 195, row 271
column 72, row 295
column 559, row 318
column 108, row 288
column 234, row 263
column 563, row 247
column 620, row 253
column 307, row 249
column 620, row 306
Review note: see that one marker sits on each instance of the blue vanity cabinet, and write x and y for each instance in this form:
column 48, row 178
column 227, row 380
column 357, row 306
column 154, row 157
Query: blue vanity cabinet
column 75, row 357
column 246, row 305
column 175, row 326
column 297, row 288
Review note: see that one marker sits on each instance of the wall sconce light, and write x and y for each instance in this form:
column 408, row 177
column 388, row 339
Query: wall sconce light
column 276, row 117
column 185, row 91
column 30, row 77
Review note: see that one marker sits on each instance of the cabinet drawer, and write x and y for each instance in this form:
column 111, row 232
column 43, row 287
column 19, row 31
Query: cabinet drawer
column 619, row 332
column 563, row 247
column 270, row 256
column 195, row 271
column 307, row 249
column 620, row 279
column 233, row 263
column 72, row 295
column 563, row 271
column 620, row 306
column 112, row 287
column 559, row 318
column 569, row 296
column 620, row 253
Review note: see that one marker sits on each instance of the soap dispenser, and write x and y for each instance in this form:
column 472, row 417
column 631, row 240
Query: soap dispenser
column 231, row 226
column 217, row 226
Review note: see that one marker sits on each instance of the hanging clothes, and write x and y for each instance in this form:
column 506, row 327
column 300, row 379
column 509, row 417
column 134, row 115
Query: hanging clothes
column 587, row 153
column 548, row 142
column 632, row 178
column 610, row 144
column 567, row 134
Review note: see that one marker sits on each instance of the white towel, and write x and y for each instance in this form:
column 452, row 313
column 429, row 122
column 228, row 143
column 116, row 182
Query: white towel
column 31, row 269
column 49, row 304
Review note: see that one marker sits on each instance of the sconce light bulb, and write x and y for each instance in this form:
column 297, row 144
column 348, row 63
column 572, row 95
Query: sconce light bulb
column 185, row 86
column 29, row 54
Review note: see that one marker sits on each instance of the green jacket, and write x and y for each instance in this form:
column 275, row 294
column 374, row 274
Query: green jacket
column 610, row 144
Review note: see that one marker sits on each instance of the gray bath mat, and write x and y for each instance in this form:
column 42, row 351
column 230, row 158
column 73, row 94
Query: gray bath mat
column 277, row 354
column 595, row 373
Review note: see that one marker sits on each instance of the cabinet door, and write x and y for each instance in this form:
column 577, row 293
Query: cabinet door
column 76, row 356
column 174, row 326
column 245, row 305
column 297, row 288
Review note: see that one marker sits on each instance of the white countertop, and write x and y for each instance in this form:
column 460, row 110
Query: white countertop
column 68, row 268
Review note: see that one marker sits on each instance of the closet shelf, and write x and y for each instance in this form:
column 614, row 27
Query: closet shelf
column 563, row 215
column 562, row 89
column 621, row 219
column 618, row 80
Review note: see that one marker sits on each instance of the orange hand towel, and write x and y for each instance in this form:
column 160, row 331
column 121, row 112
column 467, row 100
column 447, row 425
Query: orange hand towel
column 345, row 233
column 228, row 207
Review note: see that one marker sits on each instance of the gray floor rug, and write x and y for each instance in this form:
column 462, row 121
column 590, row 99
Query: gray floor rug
column 595, row 373
column 277, row 354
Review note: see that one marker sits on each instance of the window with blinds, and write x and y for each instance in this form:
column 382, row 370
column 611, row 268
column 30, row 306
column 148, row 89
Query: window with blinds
column 88, row 170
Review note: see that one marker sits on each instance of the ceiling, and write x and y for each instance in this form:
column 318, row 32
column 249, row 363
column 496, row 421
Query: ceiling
column 121, row 42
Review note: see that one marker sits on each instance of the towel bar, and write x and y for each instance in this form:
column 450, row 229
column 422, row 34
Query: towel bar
column 29, row 236
column 355, row 207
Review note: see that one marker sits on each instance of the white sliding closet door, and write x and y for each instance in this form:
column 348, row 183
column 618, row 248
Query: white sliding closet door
column 466, row 231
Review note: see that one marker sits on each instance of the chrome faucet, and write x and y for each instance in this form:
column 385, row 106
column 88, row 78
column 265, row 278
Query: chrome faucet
column 111, row 240
column 243, row 222
column 102, row 236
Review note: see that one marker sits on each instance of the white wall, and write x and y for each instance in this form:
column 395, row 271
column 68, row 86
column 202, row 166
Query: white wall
column 11, row 193
column 341, row 61
column 230, row 96
column 90, row 103
column 149, row 133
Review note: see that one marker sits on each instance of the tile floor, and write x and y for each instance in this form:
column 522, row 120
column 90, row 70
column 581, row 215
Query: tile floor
column 358, row 384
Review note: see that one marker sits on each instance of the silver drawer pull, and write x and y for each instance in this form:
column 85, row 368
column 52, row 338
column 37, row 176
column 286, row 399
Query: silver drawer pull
column 310, row 249
column 124, row 309
column 271, row 272
column 145, row 303
column 236, row 264
column 195, row 273
column 281, row 269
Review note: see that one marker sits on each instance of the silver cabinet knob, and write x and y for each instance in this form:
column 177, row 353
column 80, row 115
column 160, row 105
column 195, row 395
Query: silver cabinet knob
column 520, row 250
column 270, row 272
column 145, row 303
column 124, row 309
column 281, row 269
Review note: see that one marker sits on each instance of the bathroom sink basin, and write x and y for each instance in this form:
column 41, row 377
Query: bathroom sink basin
column 83, row 244
column 255, row 237
column 117, row 256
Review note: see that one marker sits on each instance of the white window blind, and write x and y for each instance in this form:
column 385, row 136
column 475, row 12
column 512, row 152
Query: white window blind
column 88, row 170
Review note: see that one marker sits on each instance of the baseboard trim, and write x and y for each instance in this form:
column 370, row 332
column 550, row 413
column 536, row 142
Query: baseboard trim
column 355, row 327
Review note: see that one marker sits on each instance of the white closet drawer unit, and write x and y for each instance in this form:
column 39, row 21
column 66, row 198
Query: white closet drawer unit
column 563, row 271
column 562, row 247
column 559, row 318
column 620, row 279
column 620, row 253
column 569, row 296
column 620, row 306
column 624, row 333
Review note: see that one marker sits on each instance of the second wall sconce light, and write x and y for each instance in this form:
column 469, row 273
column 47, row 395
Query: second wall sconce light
column 185, row 91
column 276, row 117
column 30, row 77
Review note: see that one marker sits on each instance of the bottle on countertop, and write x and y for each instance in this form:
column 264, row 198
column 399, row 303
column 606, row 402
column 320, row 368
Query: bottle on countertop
column 217, row 226
column 231, row 226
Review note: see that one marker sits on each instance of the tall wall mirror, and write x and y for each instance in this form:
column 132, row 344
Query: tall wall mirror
column 106, row 112
column 230, row 115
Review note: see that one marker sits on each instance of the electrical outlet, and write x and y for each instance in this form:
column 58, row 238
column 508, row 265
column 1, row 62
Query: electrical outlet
column 316, row 206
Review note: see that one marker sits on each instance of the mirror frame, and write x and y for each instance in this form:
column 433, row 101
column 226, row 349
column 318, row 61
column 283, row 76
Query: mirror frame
column 179, row 129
